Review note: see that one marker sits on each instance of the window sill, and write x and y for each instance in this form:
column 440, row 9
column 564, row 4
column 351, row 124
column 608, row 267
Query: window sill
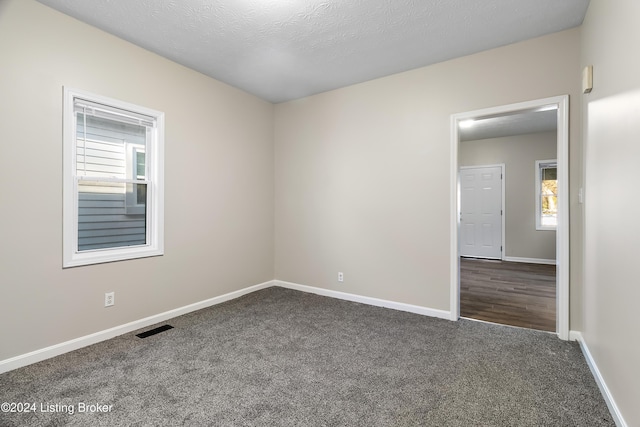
column 103, row 256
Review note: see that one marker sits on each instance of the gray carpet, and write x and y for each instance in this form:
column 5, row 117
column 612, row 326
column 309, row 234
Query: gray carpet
column 284, row 358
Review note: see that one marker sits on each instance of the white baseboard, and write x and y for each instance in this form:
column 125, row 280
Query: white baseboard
column 606, row 394
column 74, row 344
column 575, row 335
column 425, row 311
column 529, row 260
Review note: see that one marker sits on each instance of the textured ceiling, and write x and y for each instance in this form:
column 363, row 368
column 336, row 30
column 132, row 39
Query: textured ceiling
column 287, row 49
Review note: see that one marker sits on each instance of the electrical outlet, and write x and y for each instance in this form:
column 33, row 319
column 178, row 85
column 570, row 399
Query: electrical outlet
column 340, row 277
column 109, row 299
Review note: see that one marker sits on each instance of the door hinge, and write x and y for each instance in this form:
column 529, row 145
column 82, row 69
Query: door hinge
column 501, row 212
column 500, row 248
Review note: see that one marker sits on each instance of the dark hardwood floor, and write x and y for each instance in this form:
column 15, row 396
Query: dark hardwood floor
column 509, row 293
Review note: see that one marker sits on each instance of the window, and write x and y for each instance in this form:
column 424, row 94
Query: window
column 546, row 194
column 113, row 180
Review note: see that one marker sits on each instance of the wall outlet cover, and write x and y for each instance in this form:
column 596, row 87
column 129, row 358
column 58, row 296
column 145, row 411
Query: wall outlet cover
column 109, row 299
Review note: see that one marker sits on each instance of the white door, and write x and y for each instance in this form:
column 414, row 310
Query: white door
column 481, row 212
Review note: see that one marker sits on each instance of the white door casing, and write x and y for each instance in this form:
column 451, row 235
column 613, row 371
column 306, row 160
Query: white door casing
column 481, row 211
column 561, row 103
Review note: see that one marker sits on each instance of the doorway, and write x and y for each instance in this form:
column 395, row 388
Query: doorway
column 559, row 106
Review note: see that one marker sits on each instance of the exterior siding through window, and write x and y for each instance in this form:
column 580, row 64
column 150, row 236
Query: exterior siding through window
column 103, row 218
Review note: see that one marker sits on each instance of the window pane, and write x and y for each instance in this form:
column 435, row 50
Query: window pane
column 140, row 165
column 103, row 218
column 547, row 194
column 101, row 146
column 549, row 188
column 549, row 205
column 549, row 221
column 549, row 210
column 141, row 194
column 549, row 174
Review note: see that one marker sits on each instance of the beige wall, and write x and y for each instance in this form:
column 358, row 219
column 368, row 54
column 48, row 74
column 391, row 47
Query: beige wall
column 219, row 182
column 361, row 180
column 361, row 177
column 612, row 129
column 362, row 173
column 519, row 154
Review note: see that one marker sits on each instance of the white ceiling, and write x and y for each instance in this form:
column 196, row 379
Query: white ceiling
column 286, row 49
column 518, row 123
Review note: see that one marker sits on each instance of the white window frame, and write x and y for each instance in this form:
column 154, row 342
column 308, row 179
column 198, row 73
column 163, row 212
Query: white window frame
column 154, row 160
column 540, row 164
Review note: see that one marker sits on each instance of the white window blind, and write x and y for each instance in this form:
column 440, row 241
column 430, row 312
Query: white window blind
column 107, row 112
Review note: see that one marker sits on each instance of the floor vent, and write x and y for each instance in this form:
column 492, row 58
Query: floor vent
column 154, row 331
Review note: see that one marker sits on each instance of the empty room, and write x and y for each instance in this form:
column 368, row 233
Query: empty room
column 253, row 213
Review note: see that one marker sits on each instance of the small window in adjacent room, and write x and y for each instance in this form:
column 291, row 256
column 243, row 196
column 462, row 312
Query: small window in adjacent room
column 546, row 194
column 113, row 180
